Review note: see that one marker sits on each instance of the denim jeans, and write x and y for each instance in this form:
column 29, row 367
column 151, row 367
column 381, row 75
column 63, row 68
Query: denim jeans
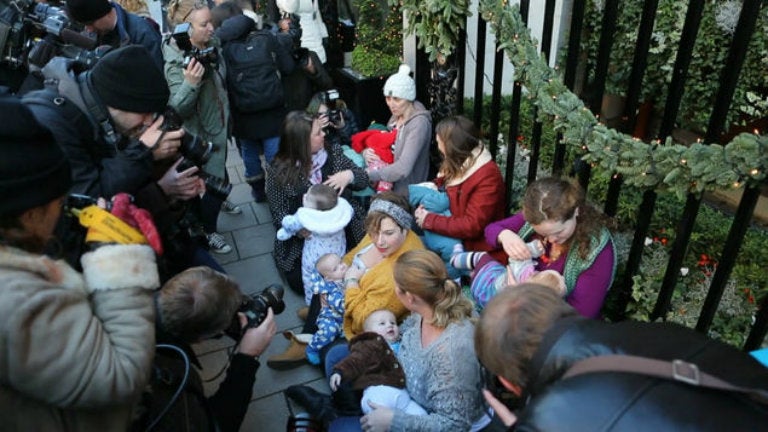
column 250, row 151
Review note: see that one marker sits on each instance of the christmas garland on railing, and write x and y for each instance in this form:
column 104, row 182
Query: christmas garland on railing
column 663, row 167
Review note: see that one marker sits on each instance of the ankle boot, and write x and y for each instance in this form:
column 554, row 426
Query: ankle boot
column 257, row 190
column 318, row 405
column 294, row 356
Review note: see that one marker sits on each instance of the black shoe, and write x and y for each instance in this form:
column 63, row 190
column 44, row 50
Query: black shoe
column 257, row 190
column 318, row 405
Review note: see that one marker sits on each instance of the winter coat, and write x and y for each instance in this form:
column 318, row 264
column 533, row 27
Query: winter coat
column 609, row 401
column 476, row 199
column 371, row 361
column 411, row 152
column 204, row 107
column 300, row 85
column 262, row 124
column 285, row 199
column 99, row 169
column 75, row 349
column 313, row 29
column 222, row 411
column 134, row 29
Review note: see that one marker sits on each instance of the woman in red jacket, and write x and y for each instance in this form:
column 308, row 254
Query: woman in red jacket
column 473, row 182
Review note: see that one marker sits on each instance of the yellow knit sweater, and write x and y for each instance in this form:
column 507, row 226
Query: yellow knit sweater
column 377, row 288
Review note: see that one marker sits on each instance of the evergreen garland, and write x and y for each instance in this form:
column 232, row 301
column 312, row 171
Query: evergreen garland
column 661, row 166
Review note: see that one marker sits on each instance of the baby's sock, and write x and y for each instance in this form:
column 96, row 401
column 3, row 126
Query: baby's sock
column 466, row 260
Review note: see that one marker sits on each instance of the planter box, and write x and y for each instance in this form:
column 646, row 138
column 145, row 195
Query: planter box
column 363, row 95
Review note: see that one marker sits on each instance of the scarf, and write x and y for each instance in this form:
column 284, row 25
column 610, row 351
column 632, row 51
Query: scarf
column 318, row 160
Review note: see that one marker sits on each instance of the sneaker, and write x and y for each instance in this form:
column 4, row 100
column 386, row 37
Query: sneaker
column 229, row 208
column 217, row 243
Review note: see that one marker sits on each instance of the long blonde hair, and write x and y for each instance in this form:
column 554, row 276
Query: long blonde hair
column 422, row 273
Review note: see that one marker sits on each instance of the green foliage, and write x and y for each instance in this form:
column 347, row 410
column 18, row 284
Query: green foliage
column 436, row 23
column 710, row 54
column 660, row 166
column 379, row 38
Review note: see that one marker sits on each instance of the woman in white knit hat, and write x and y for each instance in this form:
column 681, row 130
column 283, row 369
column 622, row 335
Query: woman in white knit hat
column 413, row 123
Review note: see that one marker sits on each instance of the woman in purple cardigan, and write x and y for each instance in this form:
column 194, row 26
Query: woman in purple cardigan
column 575, row 235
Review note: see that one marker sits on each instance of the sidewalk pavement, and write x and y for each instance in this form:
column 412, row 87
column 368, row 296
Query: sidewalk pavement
column 250, row 262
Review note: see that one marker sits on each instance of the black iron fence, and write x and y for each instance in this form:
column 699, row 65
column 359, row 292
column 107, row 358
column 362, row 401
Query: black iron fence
column 592, row 98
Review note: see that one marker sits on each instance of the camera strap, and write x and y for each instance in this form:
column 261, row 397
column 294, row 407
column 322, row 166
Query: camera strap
column 97, row 110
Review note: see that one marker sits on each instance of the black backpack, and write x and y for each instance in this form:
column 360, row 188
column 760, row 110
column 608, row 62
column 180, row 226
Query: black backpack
column 253, row 78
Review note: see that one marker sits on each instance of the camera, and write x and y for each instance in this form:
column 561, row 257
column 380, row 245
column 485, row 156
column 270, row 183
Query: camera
column 255, row 309
column 207, row 56
column 329, row 99
column 196, row 152
column 32, row 33
column 491, row 383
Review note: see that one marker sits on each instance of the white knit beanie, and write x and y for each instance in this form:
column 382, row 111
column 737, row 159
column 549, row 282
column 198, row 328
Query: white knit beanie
column 401, row 85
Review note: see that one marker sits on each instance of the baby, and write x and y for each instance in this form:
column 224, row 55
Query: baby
column 328, row 281
column 372, row 366
column 325, row 215
column 489, row 276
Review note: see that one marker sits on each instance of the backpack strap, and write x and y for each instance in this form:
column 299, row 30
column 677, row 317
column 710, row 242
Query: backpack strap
column 97, row 110
column 675, row 370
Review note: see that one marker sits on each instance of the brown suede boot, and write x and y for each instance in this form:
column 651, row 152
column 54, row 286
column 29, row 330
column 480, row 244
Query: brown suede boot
column 294, row 356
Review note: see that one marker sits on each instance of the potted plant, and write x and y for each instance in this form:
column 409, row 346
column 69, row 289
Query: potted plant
column 377, row 54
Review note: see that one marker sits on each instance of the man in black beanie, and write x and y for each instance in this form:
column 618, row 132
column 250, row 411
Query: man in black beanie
column 115, row 27
column 104, row 119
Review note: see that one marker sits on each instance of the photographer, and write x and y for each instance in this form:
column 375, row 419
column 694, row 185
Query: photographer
column 255, row 61
column 195, row 73
column 115, row 27
column 310, row 75
column 530, row 338
column 104, row 119
column 75, row 349
column 196, row 305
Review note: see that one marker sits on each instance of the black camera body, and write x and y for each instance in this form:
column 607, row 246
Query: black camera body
column 207, row 56
column 330, row 98
column 196, row 152
column 32, row 33
column 255, row 309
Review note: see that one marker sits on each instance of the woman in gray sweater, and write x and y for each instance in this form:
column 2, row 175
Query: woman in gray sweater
column 437, row 352
column 413, row 124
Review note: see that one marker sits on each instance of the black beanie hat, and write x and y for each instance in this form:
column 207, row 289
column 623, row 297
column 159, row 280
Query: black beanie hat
column 86, row 11
column 128, row 79
column 33, row 168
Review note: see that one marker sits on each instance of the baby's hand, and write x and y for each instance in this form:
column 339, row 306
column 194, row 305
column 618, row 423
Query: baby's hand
column 334, row 381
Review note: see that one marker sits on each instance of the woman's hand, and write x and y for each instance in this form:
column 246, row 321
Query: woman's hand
column 193, row 74
column 378, row 420
column 420, row 214
column 505, row 415
column 513, row 245
column 370, row 156
column 340, row 180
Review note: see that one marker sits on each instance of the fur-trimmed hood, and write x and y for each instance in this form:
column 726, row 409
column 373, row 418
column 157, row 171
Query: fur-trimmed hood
column 326, row 222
